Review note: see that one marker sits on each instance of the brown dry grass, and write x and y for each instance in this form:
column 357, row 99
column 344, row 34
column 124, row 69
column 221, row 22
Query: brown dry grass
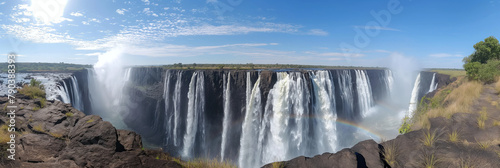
column 4, row 134
column 458, row 100
column 497, row 85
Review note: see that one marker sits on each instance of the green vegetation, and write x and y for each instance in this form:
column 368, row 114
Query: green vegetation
column 484, row 63
column 91, row 120
column 483, row 115
column 497, row 85
column 390, row 154
column 453, row 136
column 203, row 163
column 38, row 128
column 429, row 138
column 445, row 103
column 4, row 138
column 196, row 163
column 35, row 90
column 69, row 114
column 56, row 135
column 483, row 144
column 278, row 165
column 406, row 126
column 429, row 161
column 452, row 72
column 44, row 67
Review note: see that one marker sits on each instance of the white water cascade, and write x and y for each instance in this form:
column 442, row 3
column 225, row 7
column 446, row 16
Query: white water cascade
column 227, row 113
column 324, row 109
column 389, row 80
column 282, row 114
column 365, row 99
column 434, row 85
column 414, row 97
column 62, row 91
column 251, row 138
column 76, row 100
column 196, row 104
column 346, row 92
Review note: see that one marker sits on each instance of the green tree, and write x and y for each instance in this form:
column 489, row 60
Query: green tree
column 472, row 70
column 484, row 51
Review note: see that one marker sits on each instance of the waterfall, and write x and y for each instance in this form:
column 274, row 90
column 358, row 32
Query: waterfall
column 365, row 98
column 227, row 113
column 128, row 71
column 324, row 108
column 196, row 101
column 250, row 142
column 346, row 93
column 177, row 107
column 414, row 96
column 389, row 80
column 433, row 84
column 62, row 91
column 288, row 98
column 168, row 114
column 281, row 114
column 76, row 100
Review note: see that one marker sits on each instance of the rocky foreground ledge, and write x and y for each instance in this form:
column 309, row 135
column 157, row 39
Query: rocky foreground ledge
column 58, row 136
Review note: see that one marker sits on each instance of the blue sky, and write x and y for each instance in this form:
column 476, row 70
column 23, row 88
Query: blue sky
column 151, row 32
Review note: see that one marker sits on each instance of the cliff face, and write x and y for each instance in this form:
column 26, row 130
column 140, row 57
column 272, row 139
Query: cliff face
column 60, row 136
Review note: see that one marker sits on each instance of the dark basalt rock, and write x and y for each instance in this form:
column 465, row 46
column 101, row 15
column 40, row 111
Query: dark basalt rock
column 129, row 140
column 55, row 138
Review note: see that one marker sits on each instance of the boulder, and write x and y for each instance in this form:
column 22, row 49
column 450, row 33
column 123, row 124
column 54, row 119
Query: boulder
column 129, row 140
column 39, row 147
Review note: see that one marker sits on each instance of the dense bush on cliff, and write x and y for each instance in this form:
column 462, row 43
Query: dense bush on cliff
column 484, row 64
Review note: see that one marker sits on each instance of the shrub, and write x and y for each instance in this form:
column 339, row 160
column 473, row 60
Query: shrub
column 91, row 120
column 472, row 70
column 32, row 92
column 484, row 144
column 430, row 161
column 453, row 136
column 56, row 135
column 483, row 115
column 489, row 71
column 278, row 165
column 390, row 153
column 39, row 128
column 69, row 114
column 406, row 126
column 430, row 138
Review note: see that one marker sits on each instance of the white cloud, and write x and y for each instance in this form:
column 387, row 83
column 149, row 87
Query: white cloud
column 121, row 11
column 377, row 28
column 443, row 55
column 2, row 3
column 94, row 20
column 91, row 54
column 36, row 34
column 76, row 14
column 146, row 2
column 317, row 32
column 334, row 54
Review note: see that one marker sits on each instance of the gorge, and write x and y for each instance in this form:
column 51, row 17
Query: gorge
column 251, row 117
